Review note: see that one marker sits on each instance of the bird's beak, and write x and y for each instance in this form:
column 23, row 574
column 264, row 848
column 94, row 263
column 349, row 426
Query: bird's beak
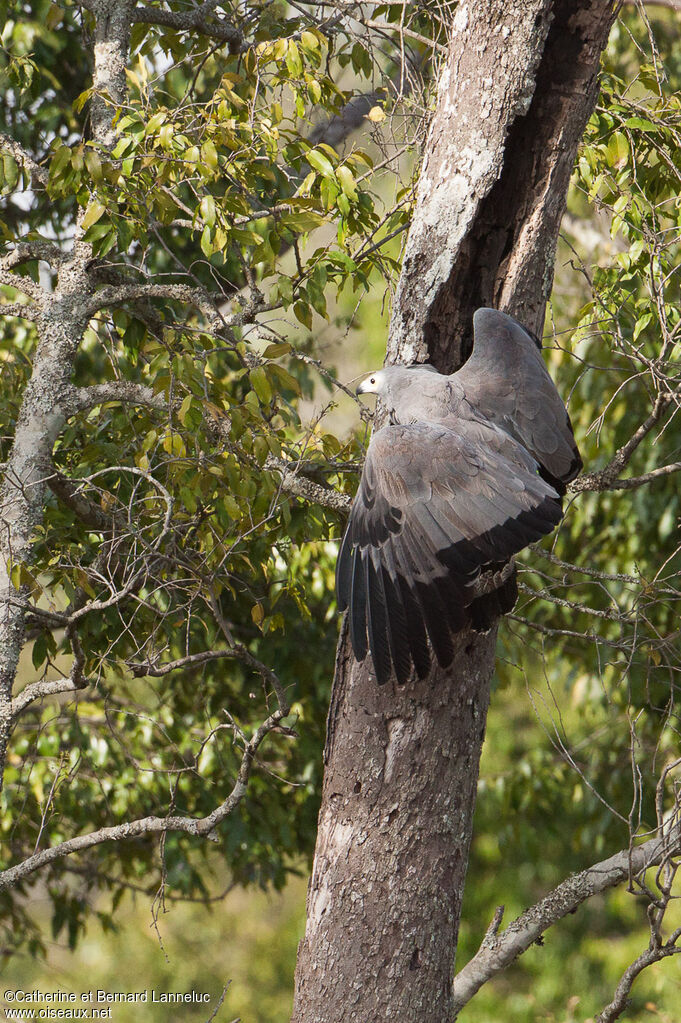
column 361, row 389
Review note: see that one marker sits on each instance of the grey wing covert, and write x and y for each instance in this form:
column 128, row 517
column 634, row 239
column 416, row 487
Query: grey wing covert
column 436, row 504
column 506, row 380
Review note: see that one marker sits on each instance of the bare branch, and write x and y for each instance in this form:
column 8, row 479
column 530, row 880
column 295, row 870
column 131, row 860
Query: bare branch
column 196, row 826
column 18, row 309
column 69, row 493
column 24, row 252
column 124, row 391
column 133, row 292
column 496, row 954
column 651, row 955
column 236, row 652
column 196, row 20
column 202, row 300
column 673, row 5
column 301, row 486
column 39, row 691
column 23, row 284
column 632, row 482
column 604, row 479
column 38, row 175
column 386, row 26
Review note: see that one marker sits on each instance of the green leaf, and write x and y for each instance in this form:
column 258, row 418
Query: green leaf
column 347, row 181
column 207, row 210
column 641, row 123
column 276, row 350
column 10, row 173
column 309, row 40
column 59, row 162
column 301, row 222
column 207, row 246
column 303, row 314
column 80, row 101
column 321, row 163
column 210, row 154
column 261, row 384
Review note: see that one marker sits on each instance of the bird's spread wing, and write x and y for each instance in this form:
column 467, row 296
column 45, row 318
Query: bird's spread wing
column 506, row 380
column 436, row 503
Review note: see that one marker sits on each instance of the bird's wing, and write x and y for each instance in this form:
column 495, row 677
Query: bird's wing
column 506, row 379
column 436, row 503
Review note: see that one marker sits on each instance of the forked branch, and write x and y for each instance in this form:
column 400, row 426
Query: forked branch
column 499, row 950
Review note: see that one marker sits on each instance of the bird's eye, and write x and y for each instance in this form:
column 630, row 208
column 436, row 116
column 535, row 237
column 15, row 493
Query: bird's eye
column 373, row 380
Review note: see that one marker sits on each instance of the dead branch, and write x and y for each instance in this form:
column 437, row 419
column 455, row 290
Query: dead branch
column 651, row 955
column 498, row 953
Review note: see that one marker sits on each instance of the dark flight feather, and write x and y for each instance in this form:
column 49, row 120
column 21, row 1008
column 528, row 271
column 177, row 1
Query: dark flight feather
column 469, row 472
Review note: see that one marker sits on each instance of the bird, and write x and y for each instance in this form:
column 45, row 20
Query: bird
column 470, row 469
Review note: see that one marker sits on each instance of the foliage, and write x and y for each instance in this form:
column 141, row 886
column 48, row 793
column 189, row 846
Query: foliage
column 168, row 533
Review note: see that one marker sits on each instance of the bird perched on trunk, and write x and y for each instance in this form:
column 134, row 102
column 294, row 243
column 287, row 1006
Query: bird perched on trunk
column 470, row 470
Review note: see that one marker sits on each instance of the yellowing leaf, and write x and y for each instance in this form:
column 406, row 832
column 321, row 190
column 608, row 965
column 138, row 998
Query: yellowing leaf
column 210, row 154
column 376, row 114
column 174, row 445
column 92, row 214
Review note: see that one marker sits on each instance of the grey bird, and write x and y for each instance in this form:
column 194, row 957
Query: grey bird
column 470, row 470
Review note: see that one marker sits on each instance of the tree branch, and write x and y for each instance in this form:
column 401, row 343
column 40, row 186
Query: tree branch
column 38, row 691
column 496, row 954
column 673, row 5
column 24, row 252
column 204, row 302
column 301, row 486
column 606, row 479
column 196, row 826
column 197, row 20
column 647, row 958
column 69, row 493
column 38, row 175
column 23, row 284
column 237, row 652
column 18, row 309
column 634, row 481
column 124, row 391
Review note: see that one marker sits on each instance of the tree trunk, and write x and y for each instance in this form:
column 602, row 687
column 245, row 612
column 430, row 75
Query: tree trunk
column 60, row 322
column 402, row 763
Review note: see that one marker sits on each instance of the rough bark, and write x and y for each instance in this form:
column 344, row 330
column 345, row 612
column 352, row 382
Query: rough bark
column 402, row 765
column 392, row 845
column 494, row 183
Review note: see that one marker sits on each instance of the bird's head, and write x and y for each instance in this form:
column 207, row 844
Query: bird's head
column 377, row 383
column 400, row 388
column 393, row 380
